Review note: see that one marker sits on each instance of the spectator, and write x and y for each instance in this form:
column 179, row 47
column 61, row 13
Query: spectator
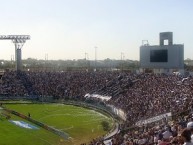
column 190, row 127
column 186, row 136
column 139, row 96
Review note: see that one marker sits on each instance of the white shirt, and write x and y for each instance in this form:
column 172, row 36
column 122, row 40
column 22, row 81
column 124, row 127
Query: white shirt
column 188, row 143
column 192, row 138
column 167, row 134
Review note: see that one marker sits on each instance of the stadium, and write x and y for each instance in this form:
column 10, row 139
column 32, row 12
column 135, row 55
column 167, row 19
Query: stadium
column 95, row 107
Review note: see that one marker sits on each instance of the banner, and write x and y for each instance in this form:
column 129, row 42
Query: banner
column 153, row 119
column 23, row 124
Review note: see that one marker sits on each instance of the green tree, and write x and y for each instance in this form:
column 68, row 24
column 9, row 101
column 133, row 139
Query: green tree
column 105, row 125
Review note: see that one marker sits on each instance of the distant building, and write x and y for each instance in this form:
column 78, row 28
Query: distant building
column 164, row 58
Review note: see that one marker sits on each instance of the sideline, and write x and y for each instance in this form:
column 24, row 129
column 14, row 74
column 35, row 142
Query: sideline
column 115, row 128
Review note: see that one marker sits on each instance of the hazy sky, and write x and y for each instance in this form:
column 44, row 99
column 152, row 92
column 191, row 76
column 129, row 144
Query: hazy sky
column 66, row 29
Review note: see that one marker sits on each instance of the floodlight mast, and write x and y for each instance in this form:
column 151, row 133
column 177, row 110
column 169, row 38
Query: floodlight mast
column 18, row 41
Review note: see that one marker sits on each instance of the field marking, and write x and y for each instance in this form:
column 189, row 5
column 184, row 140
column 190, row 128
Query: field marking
column 78, row 114
column 93, row 115
column 44, row 140
column 36, row 136
column 84, row 123
column 47, row 116
column 68, row 114
column 68, row 128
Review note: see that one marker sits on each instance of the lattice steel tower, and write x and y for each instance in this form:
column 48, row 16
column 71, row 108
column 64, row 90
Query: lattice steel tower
column 18, row 41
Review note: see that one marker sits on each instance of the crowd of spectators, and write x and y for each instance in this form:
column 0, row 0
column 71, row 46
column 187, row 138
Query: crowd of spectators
column 152, row 95
column 140, row 96
column 165, row 134
column 11, row 85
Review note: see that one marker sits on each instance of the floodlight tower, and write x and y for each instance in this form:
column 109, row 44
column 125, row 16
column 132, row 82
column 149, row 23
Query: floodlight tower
column 18, row 41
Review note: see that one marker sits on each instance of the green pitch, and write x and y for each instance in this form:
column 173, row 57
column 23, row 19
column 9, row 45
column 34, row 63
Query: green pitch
column 81, row 124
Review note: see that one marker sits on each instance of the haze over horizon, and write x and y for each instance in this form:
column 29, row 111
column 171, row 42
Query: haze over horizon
column 67, row 29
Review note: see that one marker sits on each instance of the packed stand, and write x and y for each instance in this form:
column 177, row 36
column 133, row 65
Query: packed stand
column 152, row 95
column 141, row 96
column 11, row 85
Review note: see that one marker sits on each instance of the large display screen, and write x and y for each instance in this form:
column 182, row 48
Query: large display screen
column 160, row 55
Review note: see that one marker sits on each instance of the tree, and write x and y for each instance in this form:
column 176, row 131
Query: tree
column 105, row 125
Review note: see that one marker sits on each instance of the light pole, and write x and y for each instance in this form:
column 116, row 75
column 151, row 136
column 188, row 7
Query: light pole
column 122, row 59
column 86, row 60
column 12, row 60
column 95, row 57
column 46, row 60
column 18, row 41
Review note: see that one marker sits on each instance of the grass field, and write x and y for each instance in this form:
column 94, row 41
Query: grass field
column 81, row 124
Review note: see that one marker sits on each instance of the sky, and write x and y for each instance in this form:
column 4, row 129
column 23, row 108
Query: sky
column 67, row 29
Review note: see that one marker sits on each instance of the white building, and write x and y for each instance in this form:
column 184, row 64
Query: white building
column 164, row 58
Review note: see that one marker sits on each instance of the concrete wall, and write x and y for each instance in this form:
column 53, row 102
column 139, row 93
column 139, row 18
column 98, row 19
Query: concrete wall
column 175, row 57
column 18, row 59
column 166, row 36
